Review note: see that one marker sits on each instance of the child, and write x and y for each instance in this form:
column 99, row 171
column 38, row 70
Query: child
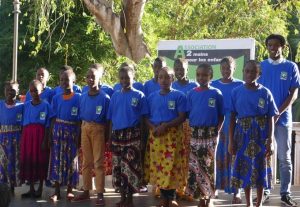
column 42, row 74
column 59, row 89
column 34, row 156
column 281, row 76
column 223, row 159
column 137, row 85
column 165, row 151
column 184, row 85
column 205, row 107
column 93, row 110
column 10, row 134
column 104, row 87
column 65, row 131
column 152, row 85
column 126, row 110
column 251, row 133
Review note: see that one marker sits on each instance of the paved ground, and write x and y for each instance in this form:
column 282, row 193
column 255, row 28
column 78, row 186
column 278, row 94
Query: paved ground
column 141, row 200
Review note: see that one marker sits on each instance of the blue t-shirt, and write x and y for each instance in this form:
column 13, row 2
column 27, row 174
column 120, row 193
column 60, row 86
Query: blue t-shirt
column 67, row 110
column 279, row 79
column 137, row 85
column 164, row 108
column 248, row 103
column 184, row 88
column 46, row 95
column 11, row 116
column 226, row 89
column 126, row 109
column 104, row 87
column 37, row 114
column 205, row 107
column 151, row 86
column 94, row 108
column 59, row 90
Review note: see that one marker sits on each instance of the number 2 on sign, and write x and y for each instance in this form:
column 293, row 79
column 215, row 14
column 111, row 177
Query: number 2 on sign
column 189, row 53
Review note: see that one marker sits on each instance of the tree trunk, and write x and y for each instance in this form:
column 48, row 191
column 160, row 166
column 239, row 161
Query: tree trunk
column 125, row 29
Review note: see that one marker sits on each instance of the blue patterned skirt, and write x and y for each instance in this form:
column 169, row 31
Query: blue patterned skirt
column 251, row 168
column 63, row 165
column 10, row 154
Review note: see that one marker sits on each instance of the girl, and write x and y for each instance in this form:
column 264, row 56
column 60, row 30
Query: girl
column 65, row 131
column 205, row 107
column 251, row 133
column 42, row 74
column 126, row 109
column 184, row 85
column 223, row 159
column 10, row 134
column 34, row 156
column 165, row 151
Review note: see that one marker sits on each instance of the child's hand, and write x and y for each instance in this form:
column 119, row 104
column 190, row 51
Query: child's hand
column 161, row 129
column 231, row 149
column 270, row 150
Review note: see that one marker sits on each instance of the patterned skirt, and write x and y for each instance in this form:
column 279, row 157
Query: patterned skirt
column 126, row 159
column 63, row 164
column 200, row 181
column 10, row 154
column 165, row 160
column 34, row 160
column 251, row 168
column 224, row 159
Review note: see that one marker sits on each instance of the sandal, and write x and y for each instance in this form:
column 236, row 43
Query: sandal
column 80, row 198
column 236, row 200
column 55, row 197
column 70, row 196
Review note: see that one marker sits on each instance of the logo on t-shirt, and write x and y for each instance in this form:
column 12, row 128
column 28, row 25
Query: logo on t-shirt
column 171, row 105
column 134, row 102
column 98, row 109
column 42, row 115
column 283, row 75
column 211, row 102
column 19, row 117
column 74, row 111
column 261, row 103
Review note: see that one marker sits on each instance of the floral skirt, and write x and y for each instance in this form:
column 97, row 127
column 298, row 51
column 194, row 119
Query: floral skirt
column 251, row 168
column 165, row 160
column 126, row 159
column 10, row 154
column 63, row 165
column 200, row 181
column 33, row 159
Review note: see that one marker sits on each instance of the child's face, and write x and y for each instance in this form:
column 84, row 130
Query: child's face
column 251, row 73
column 203, row 76
column 66, row 80
column 42, row 75
column 11, row 91
column 35, row 90
column 227, row 70
column 165, row 80
column 126, row 79
column 180, row 71
column 274, row 48
column 92, row 78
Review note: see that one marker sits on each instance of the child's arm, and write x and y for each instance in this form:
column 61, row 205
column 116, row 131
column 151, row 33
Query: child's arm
column 269, row 142
column 162, row 128
column 288, row 102
column 78, row 138
column 108, row 134
column 220, row 123
column 231, row 149
column 45, row 143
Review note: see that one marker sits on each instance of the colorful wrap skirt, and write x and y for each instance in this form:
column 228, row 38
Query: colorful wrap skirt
column 251, row 168
column 224, row 159
column 10, row 154
column 63, row 164
column 200, row 181
column 34, row 160
column 165, row 159
column 126, row 159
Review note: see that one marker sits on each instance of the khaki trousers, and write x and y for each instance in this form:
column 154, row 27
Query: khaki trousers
column 93, row 144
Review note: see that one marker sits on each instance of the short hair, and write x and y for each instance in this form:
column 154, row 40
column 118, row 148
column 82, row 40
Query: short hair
column 11, row 83
column 182, row 61
column 160, row 62
column 228, row 60
column 278, row 37
column 65, row 68
column 4, row 195
column 126, row 69
column 207, row 67
column 253, row 63
column 70, row 73
column 36, row 82
column 170, row 71
column 98, row 66
column 127, row 64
